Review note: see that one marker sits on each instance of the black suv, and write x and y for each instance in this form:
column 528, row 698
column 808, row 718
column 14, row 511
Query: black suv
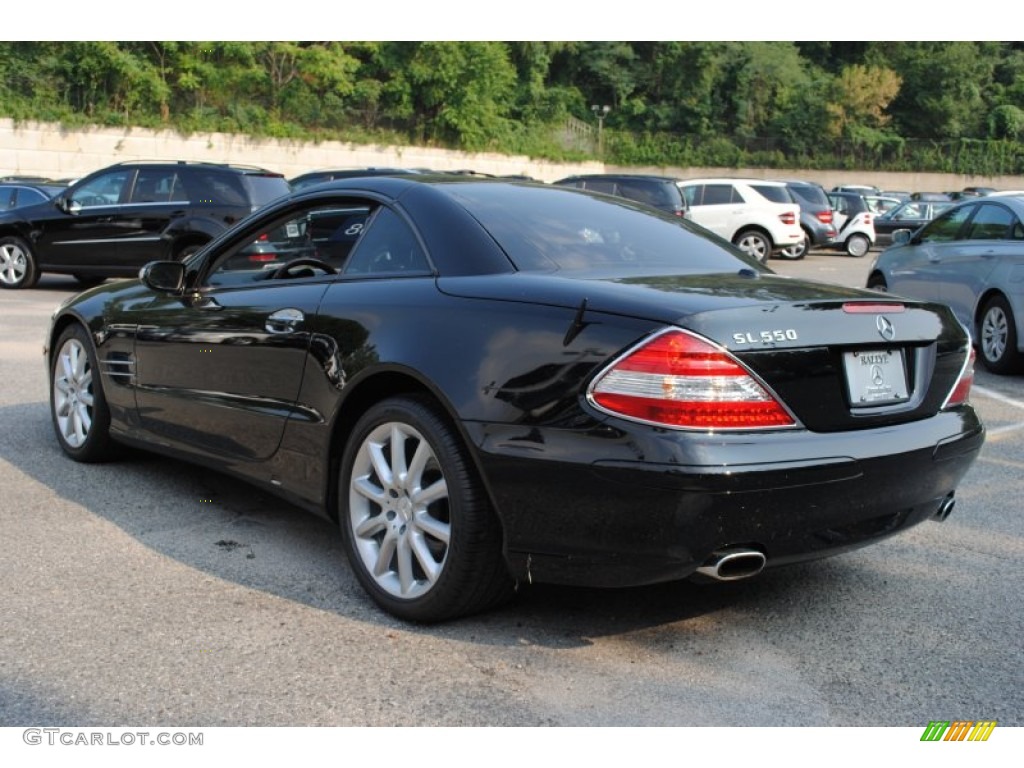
column 117, row 219
column 661, row 192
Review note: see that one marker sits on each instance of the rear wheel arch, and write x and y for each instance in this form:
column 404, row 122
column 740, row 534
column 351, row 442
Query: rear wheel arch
column 877, row 282
column 370, row 391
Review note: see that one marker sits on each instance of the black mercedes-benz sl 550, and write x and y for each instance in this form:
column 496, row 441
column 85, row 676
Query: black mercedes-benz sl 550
column 488, row 383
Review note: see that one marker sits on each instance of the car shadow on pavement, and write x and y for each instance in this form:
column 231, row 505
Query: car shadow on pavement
column 233, row 531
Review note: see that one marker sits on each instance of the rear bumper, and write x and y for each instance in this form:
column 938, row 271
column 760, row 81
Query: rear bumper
column 622, row 507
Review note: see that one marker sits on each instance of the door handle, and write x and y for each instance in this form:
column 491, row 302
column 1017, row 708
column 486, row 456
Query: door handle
column 284, row 321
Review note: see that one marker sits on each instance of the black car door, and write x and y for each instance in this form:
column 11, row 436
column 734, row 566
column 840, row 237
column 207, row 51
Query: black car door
column 156, row 198
column 84, row 227
column 219, row 368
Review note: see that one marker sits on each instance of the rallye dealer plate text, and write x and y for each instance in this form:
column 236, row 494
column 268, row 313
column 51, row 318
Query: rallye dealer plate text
column 875, row 376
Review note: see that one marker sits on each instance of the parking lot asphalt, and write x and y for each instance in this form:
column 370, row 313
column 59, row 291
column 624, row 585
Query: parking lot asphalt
column 150, row 592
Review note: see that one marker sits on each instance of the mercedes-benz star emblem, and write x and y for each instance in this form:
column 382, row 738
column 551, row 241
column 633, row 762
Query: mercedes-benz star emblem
column 876, row 375
column 885, row 327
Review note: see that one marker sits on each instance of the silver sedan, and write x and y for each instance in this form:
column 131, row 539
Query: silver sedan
column 972, row 258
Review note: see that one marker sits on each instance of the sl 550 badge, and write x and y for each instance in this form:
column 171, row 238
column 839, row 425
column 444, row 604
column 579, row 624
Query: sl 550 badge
column 765, row 337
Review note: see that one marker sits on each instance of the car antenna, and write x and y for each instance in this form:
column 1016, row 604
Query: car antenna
column 576, row 326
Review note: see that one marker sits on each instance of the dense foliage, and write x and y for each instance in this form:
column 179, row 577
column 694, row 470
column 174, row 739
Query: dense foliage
column 942, row 106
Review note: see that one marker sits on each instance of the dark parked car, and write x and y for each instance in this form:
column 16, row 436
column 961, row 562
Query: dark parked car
column 488, row 383
column 971, row 258
column 815, row 218
column 17, row 194
column 334, row 174
column 113, row 221
column 661, row 192
column 909, row 215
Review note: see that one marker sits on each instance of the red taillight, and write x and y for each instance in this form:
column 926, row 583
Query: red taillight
column 679, row 380
column 260, row 258
column 825, row 217
column 787, row 218
column 962, row 391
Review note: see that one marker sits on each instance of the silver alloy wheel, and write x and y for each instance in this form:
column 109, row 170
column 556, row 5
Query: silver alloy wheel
column 72, row 393
column 858, row 245
column 13, row 264
column 754, row 244
column 398, row 510
column 995, row 331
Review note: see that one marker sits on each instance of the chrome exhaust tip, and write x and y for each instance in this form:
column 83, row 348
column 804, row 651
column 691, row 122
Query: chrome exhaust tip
column 945, row 508
column 733, row 564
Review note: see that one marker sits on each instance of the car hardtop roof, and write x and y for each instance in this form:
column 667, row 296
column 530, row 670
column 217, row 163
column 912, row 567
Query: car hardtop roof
column 394, row 185
column 253, row 169
column 642, row 176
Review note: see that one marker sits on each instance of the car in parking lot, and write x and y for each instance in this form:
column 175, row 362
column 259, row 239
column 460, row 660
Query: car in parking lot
column 971, row 257
column 909, row 215
column 487, row 383
column 661, row 192
column 113, row 221
column 815, row 218
column 17, row 194
column 759, row 217
column 854, row 223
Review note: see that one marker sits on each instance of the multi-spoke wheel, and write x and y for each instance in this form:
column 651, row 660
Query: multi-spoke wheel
column 755, row 243
column 80, row 415
column 419, row 530
column 17, row 264
column 998, row 337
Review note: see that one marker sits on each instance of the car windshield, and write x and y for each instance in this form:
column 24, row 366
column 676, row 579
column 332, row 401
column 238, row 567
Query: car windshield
column 544, row 230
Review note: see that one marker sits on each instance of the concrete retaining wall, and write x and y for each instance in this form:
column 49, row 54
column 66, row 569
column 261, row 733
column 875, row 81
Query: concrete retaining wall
column 47, row 150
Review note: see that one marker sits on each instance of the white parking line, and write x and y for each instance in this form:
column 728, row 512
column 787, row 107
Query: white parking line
column 984, row 392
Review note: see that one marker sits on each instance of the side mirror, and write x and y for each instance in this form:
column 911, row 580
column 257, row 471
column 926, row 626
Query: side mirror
column 901, row 237
column 164, row 276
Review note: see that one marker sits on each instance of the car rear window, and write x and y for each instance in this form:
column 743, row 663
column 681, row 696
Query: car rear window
column 544, row 230
column 652, row 192
column 815, row 196
column 775, row 194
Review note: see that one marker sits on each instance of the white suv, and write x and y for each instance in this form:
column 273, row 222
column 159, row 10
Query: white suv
column 760, row 217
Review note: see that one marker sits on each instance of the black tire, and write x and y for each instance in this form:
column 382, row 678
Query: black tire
column 18, row 268
column 997, row 337
column 857, row 245
column 78, row 408
column 876, row 282
column 755, row 243
column 433, row 509
column 796, row 252
column 88, row 281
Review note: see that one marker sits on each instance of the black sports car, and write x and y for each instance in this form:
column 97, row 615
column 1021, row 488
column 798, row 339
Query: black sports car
column 489, row 382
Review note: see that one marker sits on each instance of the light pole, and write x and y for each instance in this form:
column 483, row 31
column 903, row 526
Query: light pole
column 600, row 112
